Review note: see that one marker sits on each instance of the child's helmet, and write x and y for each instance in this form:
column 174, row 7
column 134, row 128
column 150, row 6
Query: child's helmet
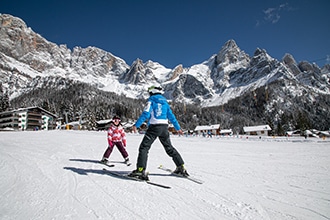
column 116, row 117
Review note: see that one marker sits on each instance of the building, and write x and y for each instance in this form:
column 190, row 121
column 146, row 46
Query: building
column 204, row 129
column 295, row 133
column 75, row 125
column 261, row 130
column 31, row 118
column 226, row 132
column 105, row 124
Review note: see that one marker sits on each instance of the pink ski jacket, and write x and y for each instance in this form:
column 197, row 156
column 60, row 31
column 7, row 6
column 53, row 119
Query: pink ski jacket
column 116, row 134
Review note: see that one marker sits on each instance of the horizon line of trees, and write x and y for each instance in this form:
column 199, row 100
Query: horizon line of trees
column 82, row 101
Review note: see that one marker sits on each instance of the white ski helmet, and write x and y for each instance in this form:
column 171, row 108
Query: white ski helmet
column 152, row 90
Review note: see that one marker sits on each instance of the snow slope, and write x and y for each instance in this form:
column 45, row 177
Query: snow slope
column 55, row 175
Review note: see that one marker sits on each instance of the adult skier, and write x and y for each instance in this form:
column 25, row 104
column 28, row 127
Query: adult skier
column 158, row 112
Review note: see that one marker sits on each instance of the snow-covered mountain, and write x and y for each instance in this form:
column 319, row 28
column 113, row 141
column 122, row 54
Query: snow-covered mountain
column 28, row 61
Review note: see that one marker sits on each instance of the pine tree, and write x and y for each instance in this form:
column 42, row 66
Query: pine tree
column 4, row 100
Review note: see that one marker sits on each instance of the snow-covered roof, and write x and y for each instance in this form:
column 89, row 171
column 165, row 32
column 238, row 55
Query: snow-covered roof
column 127, row 124
column 124, row 124
column 207, row 127
column 73, row 123
column 257, row 128
column 105, row 121
column 326, row 133
column 225, row 131
column 29, row 108
column 293, row 132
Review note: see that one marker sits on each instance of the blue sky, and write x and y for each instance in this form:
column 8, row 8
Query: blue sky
column 187, row 32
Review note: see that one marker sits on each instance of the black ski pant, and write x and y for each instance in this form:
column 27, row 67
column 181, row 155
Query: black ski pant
column 160, row 131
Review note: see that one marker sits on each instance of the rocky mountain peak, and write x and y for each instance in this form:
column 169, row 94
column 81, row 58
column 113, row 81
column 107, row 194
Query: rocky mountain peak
column 326, row 69
column 35, row 56
column 176, row 72
column 288, row 59
column 136, row 74
column 18, row 40
column 290, row 62
column 231, row 55
column 305, row 66
column 10, row 21
column 261, row 58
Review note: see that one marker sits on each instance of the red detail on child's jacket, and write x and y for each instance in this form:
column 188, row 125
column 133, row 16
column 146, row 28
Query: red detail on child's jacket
column 116, row 134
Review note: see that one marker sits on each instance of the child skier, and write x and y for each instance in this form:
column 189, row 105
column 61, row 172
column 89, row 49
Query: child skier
column 116, row 136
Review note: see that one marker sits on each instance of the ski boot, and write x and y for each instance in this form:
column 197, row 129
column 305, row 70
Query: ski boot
column 139, row 173
column 180, row 170
column 127, row 162
column 104, row 160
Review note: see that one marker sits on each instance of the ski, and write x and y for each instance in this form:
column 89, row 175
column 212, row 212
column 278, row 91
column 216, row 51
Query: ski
column 125, row 176
column 193, row 179
column 127, row 163
column 108, row 165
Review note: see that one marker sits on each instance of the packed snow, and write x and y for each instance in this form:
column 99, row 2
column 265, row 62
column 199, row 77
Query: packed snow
column 56, row 175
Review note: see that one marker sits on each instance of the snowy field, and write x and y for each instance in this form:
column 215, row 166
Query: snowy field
column 54, row 175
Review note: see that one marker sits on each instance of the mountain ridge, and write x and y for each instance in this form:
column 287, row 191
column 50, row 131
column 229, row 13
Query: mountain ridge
column 101, row 68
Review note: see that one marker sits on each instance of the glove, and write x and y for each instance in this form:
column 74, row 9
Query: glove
column 134, row 129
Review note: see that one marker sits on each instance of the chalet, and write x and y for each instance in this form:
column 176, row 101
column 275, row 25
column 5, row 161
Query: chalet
column 309, row 133
column 128, row 126
column 75, row 125
column 324, row 134
column 261, row 130
column 295, row 133
column 31, row 118
column 225, row 132
column 103, row 124
column 204, row 129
